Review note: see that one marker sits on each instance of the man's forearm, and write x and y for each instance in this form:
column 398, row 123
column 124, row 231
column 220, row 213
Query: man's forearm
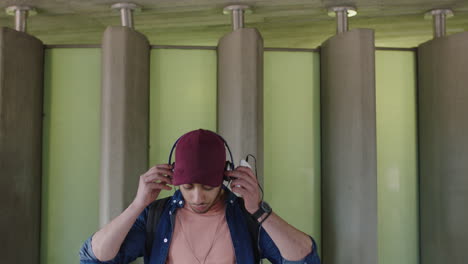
column 292, row 243
column 107, row 241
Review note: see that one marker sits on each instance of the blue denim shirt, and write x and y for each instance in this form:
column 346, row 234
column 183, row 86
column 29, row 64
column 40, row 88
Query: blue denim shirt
column 134, row 243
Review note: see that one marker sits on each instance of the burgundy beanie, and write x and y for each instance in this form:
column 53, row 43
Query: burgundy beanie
column 200, row 158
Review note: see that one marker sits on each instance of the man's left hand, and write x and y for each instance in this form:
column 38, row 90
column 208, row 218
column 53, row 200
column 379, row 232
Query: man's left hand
column 245, row 183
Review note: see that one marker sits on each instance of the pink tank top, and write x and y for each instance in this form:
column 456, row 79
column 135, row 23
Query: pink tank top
column 201, row 238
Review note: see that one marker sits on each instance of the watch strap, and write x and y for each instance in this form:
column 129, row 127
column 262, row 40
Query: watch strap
column 258, row 213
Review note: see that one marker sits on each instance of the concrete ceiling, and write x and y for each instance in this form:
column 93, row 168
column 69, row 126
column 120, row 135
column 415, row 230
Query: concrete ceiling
column 282, row 23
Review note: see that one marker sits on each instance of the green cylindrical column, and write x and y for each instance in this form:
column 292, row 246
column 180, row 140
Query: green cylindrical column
column 21, row 90
column 443, row 149
column 349, row 164
column 240, row 94
column 124, row 118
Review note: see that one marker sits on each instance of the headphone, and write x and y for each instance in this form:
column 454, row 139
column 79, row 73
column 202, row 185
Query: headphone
column 229, row 164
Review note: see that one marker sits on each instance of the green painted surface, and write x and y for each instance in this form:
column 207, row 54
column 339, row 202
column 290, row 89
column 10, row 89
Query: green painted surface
column 182, row 98
column 292, row 138
column 397, row 157
column 70, row 185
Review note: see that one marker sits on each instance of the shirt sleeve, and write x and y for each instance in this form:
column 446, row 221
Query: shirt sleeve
column 271, row 252
column 132, row 247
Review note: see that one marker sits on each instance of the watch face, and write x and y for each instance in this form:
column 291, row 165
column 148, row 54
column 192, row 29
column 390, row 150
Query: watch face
column 266, row 207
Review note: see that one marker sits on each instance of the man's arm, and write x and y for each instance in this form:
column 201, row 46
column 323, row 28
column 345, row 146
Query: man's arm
column 107, row 241
column 293, row 244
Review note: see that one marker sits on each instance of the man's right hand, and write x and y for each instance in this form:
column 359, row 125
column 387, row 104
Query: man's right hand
column 151, row 183
column 107, row 241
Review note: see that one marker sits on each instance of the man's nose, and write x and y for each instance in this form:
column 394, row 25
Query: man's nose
column 198, row 196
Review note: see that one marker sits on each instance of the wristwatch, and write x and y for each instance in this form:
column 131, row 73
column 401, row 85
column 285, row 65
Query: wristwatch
column 264, row 207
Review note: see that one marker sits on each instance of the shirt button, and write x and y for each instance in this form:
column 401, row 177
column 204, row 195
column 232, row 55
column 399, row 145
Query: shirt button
column 170, row 212
column 174, row 201
column 180, row 202
column 232, row 201
column 165, row 240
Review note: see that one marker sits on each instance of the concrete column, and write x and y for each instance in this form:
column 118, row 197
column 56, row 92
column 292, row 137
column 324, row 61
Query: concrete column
column 348, row 137
column 124, row 118
column 240, row 94
column 21, row 90
column 443, row 149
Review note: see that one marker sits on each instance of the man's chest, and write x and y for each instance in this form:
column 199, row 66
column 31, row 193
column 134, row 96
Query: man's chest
column 201, row 240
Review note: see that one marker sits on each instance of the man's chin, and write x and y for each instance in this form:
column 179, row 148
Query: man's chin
column 200, row 209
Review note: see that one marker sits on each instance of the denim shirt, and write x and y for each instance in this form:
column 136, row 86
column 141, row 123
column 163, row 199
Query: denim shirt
column 134, row 243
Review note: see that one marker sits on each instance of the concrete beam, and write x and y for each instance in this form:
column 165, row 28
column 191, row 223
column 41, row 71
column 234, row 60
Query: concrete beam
column 348, row 138
column 240, row 94
column 21, row 92
column 124, row 118
column 443, row 148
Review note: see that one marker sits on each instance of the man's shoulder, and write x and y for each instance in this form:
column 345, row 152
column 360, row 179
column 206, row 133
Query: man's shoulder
column 159, row 203
column 163, row 199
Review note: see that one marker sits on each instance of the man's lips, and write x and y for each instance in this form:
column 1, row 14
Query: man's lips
column 199, row 206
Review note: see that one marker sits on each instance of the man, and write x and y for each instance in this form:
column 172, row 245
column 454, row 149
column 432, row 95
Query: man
column 203, row 222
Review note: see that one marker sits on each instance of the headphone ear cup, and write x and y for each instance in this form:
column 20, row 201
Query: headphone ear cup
column 173, row 166
column 228, row 166
column 225, row 178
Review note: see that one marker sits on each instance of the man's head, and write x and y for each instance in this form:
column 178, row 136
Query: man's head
column 199, row 168
column 200, row 198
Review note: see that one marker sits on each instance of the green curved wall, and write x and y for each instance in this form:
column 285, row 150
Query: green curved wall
column 182, row 98
column 292, row 138
column 397, row 157
column 70, row 179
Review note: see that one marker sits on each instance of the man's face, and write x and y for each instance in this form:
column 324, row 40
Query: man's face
column 200, row 198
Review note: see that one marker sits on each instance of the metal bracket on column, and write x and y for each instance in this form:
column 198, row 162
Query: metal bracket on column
column 126, row 12
column 342, row 13
column 21, row 14
column 438, row 18
column 237, row 12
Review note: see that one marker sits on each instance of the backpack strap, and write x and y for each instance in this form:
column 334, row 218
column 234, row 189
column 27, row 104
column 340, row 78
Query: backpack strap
column 154, row 214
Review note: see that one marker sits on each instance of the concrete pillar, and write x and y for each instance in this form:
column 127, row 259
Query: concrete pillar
column 240, row 94
column 348, row 137
column 21, row 90
column 443, row 148
column 124, row 118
